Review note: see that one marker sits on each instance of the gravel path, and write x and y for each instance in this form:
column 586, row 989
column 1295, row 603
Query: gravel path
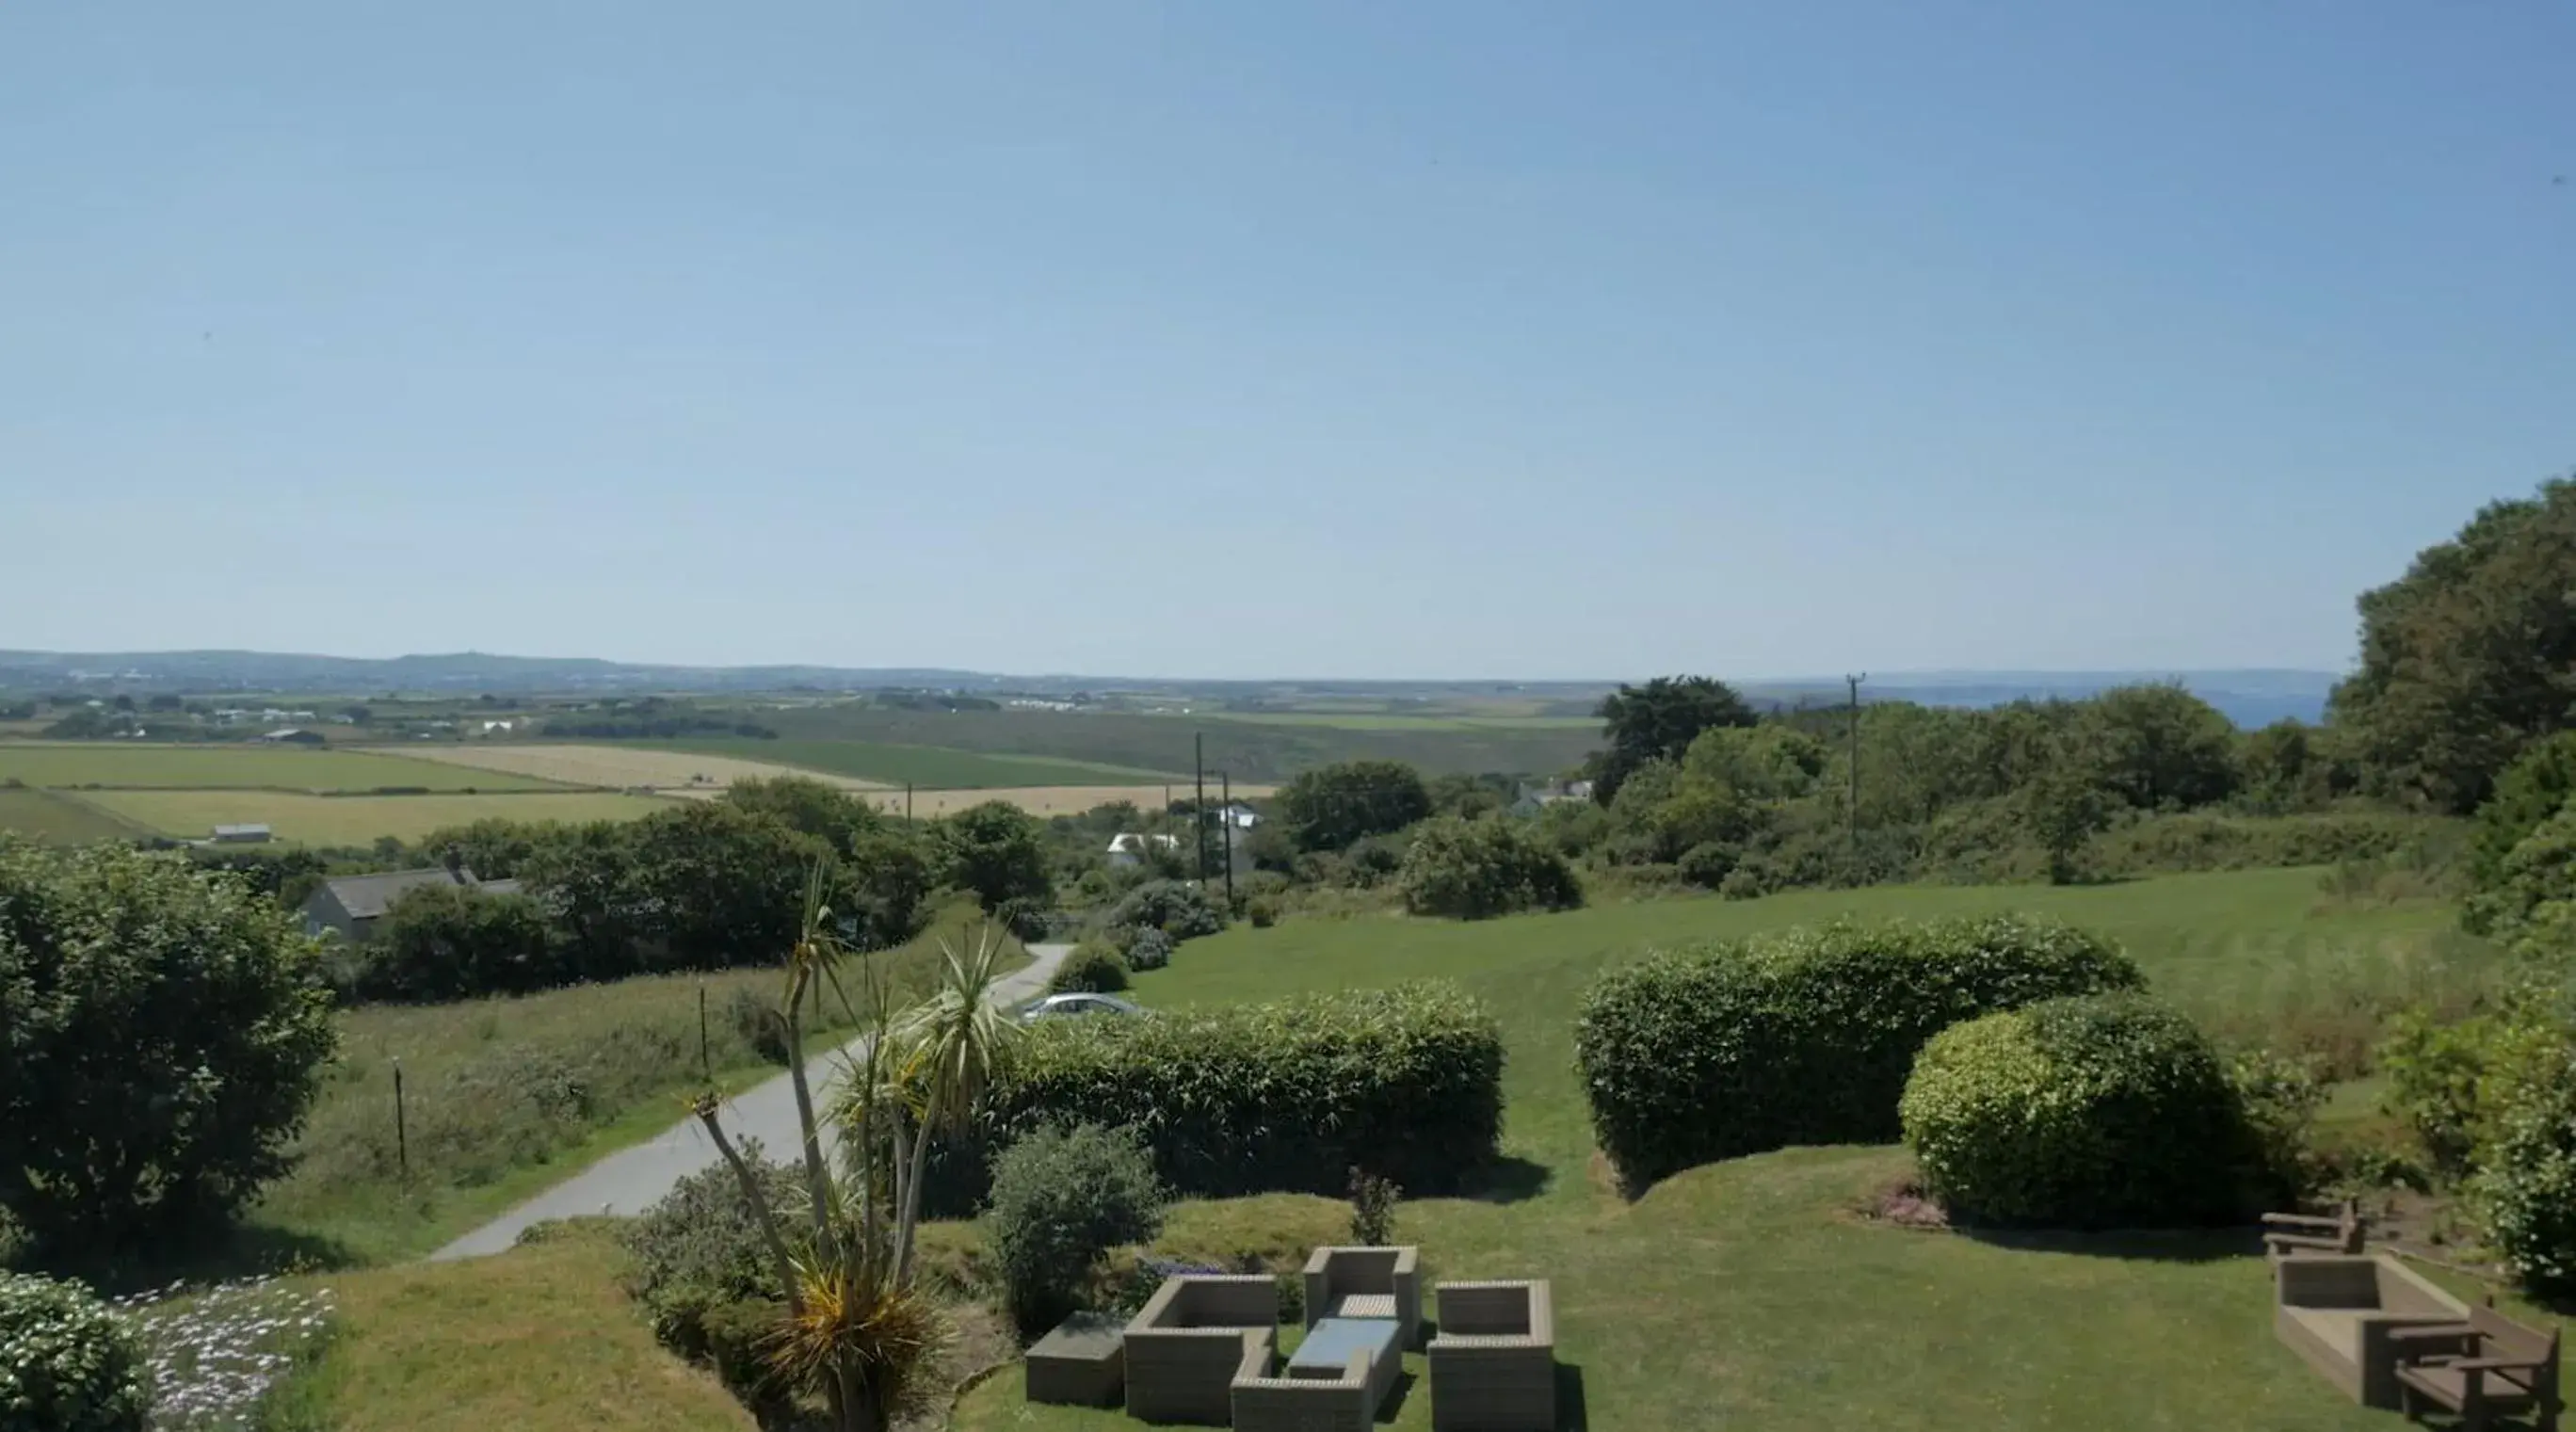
column 632, row 1180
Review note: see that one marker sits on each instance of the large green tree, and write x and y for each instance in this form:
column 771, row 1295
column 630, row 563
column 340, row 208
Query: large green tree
column 162, row 1033
column 996, row 850
column 2470, row 656
column 2159, row 747
column 1329, row 807
column 1658, row 721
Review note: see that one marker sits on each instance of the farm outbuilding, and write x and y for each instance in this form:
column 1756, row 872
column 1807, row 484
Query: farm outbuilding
column 351, row 904
column 241, row 835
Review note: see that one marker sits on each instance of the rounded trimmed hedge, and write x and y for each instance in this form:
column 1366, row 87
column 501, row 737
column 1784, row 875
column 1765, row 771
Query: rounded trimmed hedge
column 67, row 1361
column 2108, row 1111
column 1092, row 968
column 1804, row 1037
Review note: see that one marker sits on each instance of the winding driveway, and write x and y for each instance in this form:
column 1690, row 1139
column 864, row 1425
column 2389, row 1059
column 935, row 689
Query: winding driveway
column 634, row 1179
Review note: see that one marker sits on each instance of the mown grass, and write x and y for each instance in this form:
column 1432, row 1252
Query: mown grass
column 929, row 766
column 48, row 816
column 504, row 1097
column 299, row 818
column 539, row 1337
column 133, row 764
column 1755, row 1293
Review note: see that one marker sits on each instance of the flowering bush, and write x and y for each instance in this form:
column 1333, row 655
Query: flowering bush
column 212, row 1355
column 67, row 1361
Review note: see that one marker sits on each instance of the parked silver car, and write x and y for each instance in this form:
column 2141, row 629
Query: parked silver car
column 1059, row 1006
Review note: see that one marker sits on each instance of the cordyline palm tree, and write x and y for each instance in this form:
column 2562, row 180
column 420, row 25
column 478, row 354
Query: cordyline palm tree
column 858, row 1328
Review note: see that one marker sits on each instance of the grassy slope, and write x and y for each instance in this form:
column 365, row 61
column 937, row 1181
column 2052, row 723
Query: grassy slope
column 356, row 820
column 1747, row 1294
column 928, row 766
column 60, row 763
column 49, row 816
column 479, row 1140
column 539, row 1337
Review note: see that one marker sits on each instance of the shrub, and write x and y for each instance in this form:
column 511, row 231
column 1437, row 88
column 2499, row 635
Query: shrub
column 1471, row 870
column 755, row 1021
column 1149, row 950
column 2436, row 1072
column 1178, row 909
column 736, row 1333
column 1090, row 969
column 2280, row 1096
column 2095, row 1111
column 67, row 1362
column 1062, row 1198
column 174, row 1018
column 1804, row 1037
column 1373, row 1202
column 448, row 942
column 1329, row 807
column 2525, row 1193
column 1283, row 1097
column 700, row 1248
column 1262, row 911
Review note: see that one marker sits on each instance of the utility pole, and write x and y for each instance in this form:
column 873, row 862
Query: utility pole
column 1198, row 811
column 907, row 802
column 1226, row 814
column 1854, row 682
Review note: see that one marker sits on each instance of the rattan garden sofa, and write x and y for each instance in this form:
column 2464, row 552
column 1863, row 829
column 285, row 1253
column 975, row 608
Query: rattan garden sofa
column 1185, row 1347
column 1367, row 1283
column 1340, row 1377
column 2339, row 1314
column 1493, row 1361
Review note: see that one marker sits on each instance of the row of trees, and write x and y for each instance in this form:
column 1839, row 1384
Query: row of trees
column 704, row 885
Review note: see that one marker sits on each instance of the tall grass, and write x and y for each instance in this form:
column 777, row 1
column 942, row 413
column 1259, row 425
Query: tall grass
column 501, row 1096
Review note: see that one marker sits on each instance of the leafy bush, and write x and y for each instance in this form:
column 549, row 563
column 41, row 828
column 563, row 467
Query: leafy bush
column 174, row 1019
column 2534, row 885
column 1262, row 911
column 1329, row 807
column 1373, row 1201
column 1149, row 950
column 1804, row 1037
column 736, row 1333
column 2436, row 1073
column 1473, row 870
column 1257, row 1098
column 1090, row 969
column 2095, row 1111
column 755, row 1021
column 2535, row 787
column 67, row 1362
column 1061, row 1198
column 1178, row 909
column 448, row 942
column 700, row 1249
column 2280, row 1096
column 2524, row 1192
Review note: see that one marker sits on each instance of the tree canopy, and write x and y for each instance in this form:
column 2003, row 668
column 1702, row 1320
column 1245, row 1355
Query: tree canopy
column 1329, row 807
column 1658, row 721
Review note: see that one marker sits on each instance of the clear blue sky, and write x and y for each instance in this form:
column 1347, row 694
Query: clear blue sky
column 1433, row 339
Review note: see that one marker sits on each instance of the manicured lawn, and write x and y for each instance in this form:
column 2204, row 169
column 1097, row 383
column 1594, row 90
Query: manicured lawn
column 539, row 1337
column 357, row 820
column 1753, row 1293
column 927, row 766
column 132, row 764
column 48, row 816
column 505, row 1097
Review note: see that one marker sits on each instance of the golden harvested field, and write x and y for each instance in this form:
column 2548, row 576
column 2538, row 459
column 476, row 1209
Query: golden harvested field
column 619, row 767
column 1048, row 800
column 353, row 820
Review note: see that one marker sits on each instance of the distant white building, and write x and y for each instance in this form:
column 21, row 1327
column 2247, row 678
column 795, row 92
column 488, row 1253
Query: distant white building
column 1126, row 849
column 490, row 727
column 1240, row 816
column 241, row 835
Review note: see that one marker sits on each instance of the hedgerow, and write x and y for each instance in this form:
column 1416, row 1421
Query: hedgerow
column 2092, row 1112
column 1283, row 1097
column 68, row 1363
column 1804, row 1037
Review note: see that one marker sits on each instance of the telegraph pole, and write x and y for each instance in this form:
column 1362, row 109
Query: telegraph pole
column 1198, row 810
column 1854, row 682
column 1226, row 779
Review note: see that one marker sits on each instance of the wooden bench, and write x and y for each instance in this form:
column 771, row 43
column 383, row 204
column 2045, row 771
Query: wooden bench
column 2487, row 1367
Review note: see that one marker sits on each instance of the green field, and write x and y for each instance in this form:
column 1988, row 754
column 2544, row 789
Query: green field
column 354, row 820
column 1379, row 721
column 1753, row 1293
column 109, row 764
column 48, row 816
column 930, row 767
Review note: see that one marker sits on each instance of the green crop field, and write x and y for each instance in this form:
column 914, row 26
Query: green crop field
column 1754, row 1293
column 930, row 767
column 144, row 767
column 1380, row 721
column 48, row 816
column 355, row 820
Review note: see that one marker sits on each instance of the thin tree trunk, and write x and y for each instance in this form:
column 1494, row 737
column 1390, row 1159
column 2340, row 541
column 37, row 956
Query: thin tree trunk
column 818, row 1184
column 910, row 1215
column 759, row 1207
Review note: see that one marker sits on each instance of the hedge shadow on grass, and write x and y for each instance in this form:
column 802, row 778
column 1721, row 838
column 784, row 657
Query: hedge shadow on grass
column 244, row 1250
column 1508, row 1178
column 2156, row 1245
